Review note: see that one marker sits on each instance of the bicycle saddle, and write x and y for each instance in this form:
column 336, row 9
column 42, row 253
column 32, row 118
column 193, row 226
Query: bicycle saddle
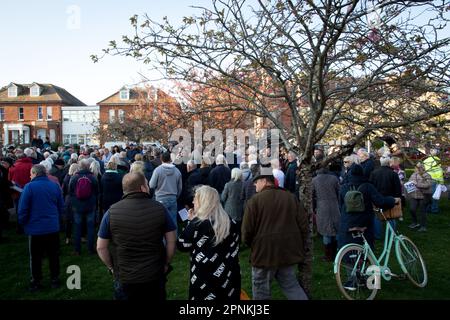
column 357, row 229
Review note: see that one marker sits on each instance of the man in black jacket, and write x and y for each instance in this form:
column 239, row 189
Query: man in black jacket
column 220, row 175
column 290, row 182
column 136, row 227
column 387, row 182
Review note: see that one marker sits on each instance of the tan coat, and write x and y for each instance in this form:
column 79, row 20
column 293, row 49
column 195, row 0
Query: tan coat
column 423, row 185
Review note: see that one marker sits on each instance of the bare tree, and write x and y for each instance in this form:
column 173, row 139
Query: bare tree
column 337, row 65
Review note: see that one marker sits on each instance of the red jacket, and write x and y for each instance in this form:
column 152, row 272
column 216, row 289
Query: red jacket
column 20, row 172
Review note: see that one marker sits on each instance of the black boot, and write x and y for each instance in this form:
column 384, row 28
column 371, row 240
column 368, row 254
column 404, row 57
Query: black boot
column 328, row 252
column 333, row 250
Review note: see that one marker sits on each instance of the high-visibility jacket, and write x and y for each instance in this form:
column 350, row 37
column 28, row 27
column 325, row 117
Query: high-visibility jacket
column 433, row 168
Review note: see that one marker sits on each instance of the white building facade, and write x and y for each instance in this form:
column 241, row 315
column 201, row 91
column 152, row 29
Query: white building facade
column 79, row 124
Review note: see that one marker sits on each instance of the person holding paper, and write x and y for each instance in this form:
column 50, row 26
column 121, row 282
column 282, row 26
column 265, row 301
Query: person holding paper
column 421, row 197
column 212, row 239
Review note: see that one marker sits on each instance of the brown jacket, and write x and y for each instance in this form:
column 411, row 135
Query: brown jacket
column 275, row 226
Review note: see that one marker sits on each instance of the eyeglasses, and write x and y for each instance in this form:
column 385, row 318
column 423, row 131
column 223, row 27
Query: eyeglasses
column 346, row 161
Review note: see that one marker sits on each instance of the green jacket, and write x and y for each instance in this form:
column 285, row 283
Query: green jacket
column 433, row 168
column 275, row 226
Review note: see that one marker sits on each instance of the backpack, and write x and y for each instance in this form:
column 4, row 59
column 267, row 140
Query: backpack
column 354, row 201
column 83, row 189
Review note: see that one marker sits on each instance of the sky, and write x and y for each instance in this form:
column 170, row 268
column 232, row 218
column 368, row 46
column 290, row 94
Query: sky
column 50, row 41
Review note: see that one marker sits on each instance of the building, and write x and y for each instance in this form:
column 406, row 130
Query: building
column 80, row 124
column 32, row 110
column 155, row 107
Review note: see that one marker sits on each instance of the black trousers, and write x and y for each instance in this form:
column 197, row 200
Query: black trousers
column 151, row 291
column 4, row 218
column 39, row 246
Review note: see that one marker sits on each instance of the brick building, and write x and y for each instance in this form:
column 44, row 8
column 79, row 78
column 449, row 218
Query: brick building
column 32, row 110
column 133, row 102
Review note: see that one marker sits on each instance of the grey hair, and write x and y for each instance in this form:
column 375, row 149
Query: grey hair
column 220, row 159
column 355, row 159
column 39, row 170
column 191, row 163
column 28, row 152
column 95, row 167
column 47, row 165
column 74, row 156
column 243, row 166
column 111, row 165
column 84, row 164
column 385, row 161
column 434, row 152
column 236, row 174
column 74, row 168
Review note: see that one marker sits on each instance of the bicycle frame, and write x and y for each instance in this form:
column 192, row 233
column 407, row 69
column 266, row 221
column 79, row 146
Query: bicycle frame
column 389, row 240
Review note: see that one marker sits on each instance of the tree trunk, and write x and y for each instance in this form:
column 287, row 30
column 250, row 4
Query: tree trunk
column 305, row 191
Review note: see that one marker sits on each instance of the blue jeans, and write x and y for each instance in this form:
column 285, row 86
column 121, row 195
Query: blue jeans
column 90, row 221
column 328, row 240
column 170, row 203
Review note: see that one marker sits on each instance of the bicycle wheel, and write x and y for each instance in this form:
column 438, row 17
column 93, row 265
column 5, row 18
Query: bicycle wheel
column 351, row 273
column 411, row 261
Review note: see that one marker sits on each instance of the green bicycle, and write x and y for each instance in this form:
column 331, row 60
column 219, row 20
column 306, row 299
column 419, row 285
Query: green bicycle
column 359, row 272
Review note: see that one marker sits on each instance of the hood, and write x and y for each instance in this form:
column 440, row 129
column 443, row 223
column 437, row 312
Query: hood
column 168, row 169
column 24, row 160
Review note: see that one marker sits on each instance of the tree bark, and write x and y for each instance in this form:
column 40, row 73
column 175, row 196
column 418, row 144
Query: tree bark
column 304, row 178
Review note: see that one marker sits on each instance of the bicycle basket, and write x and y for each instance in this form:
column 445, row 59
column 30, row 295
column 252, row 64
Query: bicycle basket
column 394, row 213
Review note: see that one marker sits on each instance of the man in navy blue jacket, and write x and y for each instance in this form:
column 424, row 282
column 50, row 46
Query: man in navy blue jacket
column 40, row 208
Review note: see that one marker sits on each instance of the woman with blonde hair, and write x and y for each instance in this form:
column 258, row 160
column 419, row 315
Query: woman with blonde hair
column 213, row 241
column 138, row 166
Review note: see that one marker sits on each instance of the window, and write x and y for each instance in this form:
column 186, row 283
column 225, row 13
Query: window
column 65, row 115
column 81, row 139
column 21, row 117
column 12, row 91
column 2, row 114
column 40, row 114
column 112, row 115
column 35, row 91
column 124, row 94
column 121, row 115
column 49, row 113
column 66, row 138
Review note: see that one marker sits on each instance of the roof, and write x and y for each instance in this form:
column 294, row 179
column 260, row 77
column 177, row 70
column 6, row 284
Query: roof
column 49, row 93
column 136, row 94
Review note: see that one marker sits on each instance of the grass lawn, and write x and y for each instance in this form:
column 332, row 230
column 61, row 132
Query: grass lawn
column 96, row 282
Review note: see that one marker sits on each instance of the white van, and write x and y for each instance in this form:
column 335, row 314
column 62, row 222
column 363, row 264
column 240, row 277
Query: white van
column 110, row 144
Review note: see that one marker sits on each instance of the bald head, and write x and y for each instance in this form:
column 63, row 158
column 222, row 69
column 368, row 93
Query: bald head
column 134, row 182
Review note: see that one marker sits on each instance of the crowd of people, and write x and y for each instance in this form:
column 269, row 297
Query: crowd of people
column 132, row 199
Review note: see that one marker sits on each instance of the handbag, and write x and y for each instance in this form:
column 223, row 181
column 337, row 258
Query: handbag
column 394, row 213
